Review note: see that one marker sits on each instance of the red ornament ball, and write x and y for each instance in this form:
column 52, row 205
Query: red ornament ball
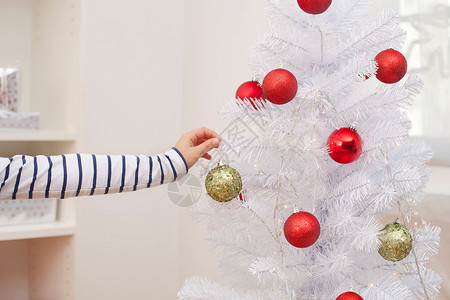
column 280, row 86
column 314, row 7
column 349, row 296
column 344, row 145
column 302, row 229
column 392, row 66
column 251, row 91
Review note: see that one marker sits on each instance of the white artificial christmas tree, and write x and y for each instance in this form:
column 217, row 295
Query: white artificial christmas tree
column 287, row 168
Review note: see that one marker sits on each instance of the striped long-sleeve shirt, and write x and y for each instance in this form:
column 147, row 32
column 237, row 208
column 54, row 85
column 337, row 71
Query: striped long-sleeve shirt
column 70, row 175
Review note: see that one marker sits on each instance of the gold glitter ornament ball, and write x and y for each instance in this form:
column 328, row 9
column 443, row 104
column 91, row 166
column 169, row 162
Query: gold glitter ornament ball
column 396, row 242
column 223, row 183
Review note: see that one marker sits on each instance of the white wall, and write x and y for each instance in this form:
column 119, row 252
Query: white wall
column 127, row 244
column 152, row 70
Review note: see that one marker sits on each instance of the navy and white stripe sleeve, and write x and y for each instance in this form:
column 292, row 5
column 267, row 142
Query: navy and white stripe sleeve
column 71, row 175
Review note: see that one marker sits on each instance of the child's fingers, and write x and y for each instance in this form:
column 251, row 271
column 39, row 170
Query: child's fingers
column 200, row 141
column 204, row 147
column 205, row 133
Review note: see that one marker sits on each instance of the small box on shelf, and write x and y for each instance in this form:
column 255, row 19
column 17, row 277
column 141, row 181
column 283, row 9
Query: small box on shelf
column 10, row 118
column 22, row 120
column 9, row 88
column 27, row 211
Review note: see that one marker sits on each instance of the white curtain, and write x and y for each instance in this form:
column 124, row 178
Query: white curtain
column 428, row 54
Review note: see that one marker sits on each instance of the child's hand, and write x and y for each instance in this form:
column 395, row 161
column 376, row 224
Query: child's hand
column 196, row 143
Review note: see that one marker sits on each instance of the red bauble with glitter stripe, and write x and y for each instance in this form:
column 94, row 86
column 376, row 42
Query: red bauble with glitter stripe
column 302, row 229
column 280, row 86
column 344, row 145
column 392, row 66
column 251, row 91
column 349, row 296
column 314, row 7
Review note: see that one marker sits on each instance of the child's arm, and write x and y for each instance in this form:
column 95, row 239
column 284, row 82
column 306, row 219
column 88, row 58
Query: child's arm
column 62, row 176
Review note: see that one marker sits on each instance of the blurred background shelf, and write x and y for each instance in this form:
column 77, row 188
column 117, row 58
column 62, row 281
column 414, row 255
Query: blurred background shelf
column 43, row 39
column 31, row 231
column 37, row 135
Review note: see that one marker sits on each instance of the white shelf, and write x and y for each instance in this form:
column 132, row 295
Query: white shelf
column 42, row 37
column 32, row 231
column 36, row 135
